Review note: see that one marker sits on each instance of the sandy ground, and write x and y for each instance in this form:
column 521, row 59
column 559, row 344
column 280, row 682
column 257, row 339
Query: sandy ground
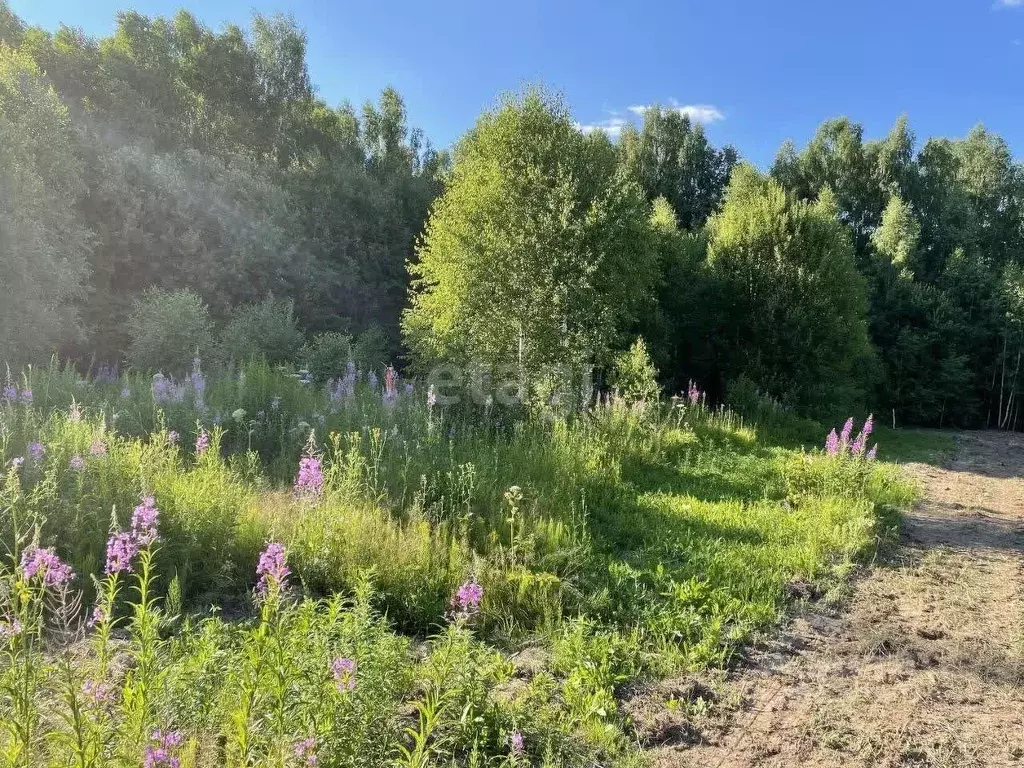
column 923, row 666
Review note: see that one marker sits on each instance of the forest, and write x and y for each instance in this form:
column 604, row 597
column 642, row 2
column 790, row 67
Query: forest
column 171, row 183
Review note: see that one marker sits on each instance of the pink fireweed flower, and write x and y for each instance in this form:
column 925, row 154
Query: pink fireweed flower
column 305, row 752
column 467, row 599
column 26, row 396
column 693, row 393
column 873, row 452
column 98, row 693
column 844, row 436
column 144, row 522
column 77, row 463
column 45, row 564
column 516, row 743
column 16, row 462
column 272, row 569
column 161, row 751
column 173, row 437
column 121, row 550
column 98, row 448
column 832, row 443
column 344, row 671
column 862, row 439
column 202, row 442
column 310, row 479
column 99, row 616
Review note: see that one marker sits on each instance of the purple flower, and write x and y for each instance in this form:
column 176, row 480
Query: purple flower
column 516, row 743
column 9, row 629
column 173, row 437
column 121, row 549
column 344, row 671
column 126, row 392
column 98, row 693
column 45, row 564
column 372, row 380
column 36, row 450
column 467, row 599
column 77, row 463
column 862, row 439
column 408, row 388
column 272, row 569
column 693, row 393
column 832, row 443
column 161, row 751
column 310, row 480
column 873, row 453
column 431, row 396
column 844, row 436
column 11, row 394
column 202, row 441
column 144, row 522
column 26, row 396
column 99, row 615
column 16, row 462
column 305, row 752
column 98, row 448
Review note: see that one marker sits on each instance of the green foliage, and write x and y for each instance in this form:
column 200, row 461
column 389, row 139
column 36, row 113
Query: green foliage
column 267, row 329
column 326, row 355
column 792, row 317
column 522, row 257
column 635, row 376
column 168, row 329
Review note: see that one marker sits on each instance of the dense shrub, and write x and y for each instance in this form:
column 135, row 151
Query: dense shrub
column 267, row 329
column 168, row 329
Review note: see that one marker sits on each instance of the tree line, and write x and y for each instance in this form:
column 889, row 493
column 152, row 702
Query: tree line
column 852, row 275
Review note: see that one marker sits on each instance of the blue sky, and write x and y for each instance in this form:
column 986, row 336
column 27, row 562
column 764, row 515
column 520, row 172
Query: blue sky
column 755, row 72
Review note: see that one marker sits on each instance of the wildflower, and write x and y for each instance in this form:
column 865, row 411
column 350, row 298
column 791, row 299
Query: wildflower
column 9, row 629
column 238, row 414
column 408, row 388
column 75, row 412
column 36, row 450
column 98, row 693
column 310, row 480
column 350, row 369
column 832, row 443
column 121, row 549
column 16, row 462
column 161, row 751
column 391, row 381
column 126, row 392
column 693, row 393
column 516, row 743
column 873, row 453
column 99, row 615
column 173, row 437
column 305, row 751
column 26, row 396
column 272, row 568
column 431, row 396
column 45, row 564
column 77, row 463
column 373, row 381
column 344, row 671
column 467, row 599
column 844, row 436
column 202, row 441
column 11, row 394
column 98, row 448
column 144, row 522
column 862, row 439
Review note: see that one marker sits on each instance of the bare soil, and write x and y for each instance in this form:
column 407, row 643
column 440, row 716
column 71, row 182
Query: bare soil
column 922, row 666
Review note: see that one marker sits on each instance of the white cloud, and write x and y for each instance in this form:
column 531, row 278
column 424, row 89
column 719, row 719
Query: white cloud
column 699, row 113
column 1009, row 4
column 612, row 126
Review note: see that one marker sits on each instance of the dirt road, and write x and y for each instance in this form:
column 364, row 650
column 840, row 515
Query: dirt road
column 924, row 666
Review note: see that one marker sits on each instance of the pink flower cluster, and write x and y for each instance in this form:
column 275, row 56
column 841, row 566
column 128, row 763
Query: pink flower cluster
column 202, row 442
column 305, row 752
column 467, row 599
column 144, row 521
column 272, row 569
column 98, row 693
column 161, row 751
column 838, row 444
column 310, row 480
column 123, row 546
column 45, row 564
column 344, row 671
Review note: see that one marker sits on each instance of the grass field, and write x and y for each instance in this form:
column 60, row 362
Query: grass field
column 376, row 604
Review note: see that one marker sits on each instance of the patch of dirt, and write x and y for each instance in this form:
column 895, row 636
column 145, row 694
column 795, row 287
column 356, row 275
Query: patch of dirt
column 924, row 666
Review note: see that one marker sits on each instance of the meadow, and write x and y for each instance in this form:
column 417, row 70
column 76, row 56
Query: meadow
column 253, row 568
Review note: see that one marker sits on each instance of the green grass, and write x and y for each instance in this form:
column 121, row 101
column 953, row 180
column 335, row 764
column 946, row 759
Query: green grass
column 623, row 543
column 926, row 446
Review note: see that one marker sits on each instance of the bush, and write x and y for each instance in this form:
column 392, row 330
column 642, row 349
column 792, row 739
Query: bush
column 168, row 329
column 635, row 375
column 267, row 329
column 326, row 355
